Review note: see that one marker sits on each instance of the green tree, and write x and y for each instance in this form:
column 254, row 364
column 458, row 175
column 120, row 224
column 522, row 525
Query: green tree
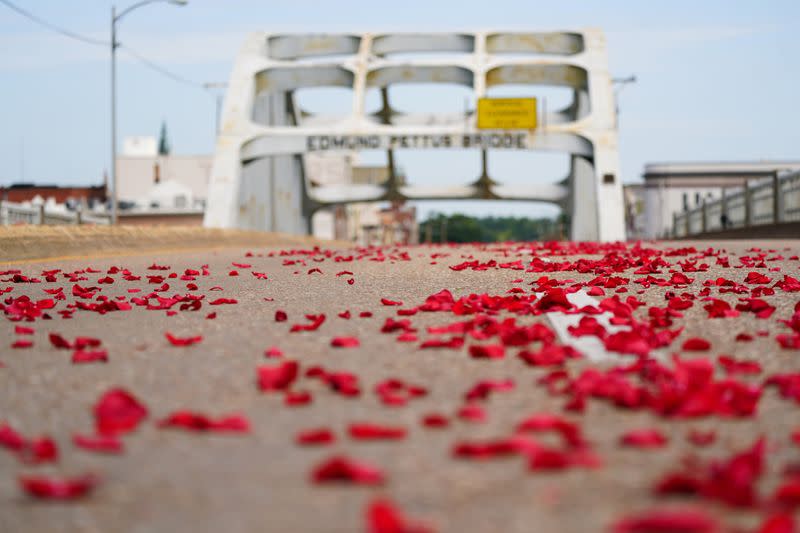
column 462, row 228
column 163, row 141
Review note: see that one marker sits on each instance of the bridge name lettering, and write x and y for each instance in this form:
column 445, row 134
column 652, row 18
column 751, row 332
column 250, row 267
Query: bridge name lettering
column 509, row 141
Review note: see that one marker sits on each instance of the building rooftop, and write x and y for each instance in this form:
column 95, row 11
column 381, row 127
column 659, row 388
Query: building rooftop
column 716, row 168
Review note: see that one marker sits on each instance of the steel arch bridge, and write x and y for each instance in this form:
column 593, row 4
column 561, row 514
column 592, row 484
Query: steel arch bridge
column 258, row 178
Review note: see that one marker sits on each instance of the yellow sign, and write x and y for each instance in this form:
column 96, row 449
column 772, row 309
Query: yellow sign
column 506, row 113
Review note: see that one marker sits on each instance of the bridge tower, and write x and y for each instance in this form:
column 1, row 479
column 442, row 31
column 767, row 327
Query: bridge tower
column 258, row 179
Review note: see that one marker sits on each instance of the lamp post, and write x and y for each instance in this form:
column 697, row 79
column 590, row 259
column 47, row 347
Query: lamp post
column 621, row 83
column 114, row 45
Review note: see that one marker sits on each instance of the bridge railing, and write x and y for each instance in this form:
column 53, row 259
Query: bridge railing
column 771, row 201
column 12, row 213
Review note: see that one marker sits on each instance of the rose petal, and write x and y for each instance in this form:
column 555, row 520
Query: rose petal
column 315, row 437
column 183, row 341
column 89, row 356
column 98, row 443
column 384, row 517
column 193, row 421
column 667, row 521
column 644, row 438
column 48, row 488
column 368, row 431
column 342, row 469
column 696, row 344
column 345, row 342
column 277, row 377
column 117, row 412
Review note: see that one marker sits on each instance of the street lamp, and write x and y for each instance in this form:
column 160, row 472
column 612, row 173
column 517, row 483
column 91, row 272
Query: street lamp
column 114, row 45
column 621, row 83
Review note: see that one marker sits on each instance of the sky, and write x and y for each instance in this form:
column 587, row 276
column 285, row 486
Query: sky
column 716, row 80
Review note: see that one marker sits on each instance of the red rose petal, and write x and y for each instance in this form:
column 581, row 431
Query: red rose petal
column 435, row 420
column 59, row 342
column 41, row 450
column 368, row 431
column 345, row 342
column 315, row 437
column 222, row 301
column 273, row 351
column 199, row 422
column 731, row 481
column 487, row 351
column 696, row 344
column 384, row 517
column 570, row 431
column 472, row 413
column 98, row 443
column 11, row 439
column 644, row 438
column 48, row 488
column 554, row 300
column 182, row 341
column 778, row 523
column 788, row 493
column 89, row 356
column 342, row 469
column 667, row 521
column 297, row 398
column 702, row 438
column 117, row 412
column 277, row 377
column 316, row 322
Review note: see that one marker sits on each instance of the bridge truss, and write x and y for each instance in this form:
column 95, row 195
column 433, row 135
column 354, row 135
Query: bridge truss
column 258, row 178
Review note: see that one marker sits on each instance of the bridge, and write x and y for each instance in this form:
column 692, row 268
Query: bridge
column 259, row 176
column 766, row 205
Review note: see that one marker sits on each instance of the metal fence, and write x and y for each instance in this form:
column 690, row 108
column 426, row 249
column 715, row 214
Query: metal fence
column 771, row 201
column 13, row 213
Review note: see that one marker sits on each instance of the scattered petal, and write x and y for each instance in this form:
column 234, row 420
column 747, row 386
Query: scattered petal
column 48, row 488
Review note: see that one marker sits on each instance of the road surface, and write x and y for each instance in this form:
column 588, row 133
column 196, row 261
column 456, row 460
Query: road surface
column 516, row 455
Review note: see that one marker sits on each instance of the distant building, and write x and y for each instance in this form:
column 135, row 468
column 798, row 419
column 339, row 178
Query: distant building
column 141, row 168
column 139, row 146
column 365, row 223
column 674, row 187
column 28, row 192
column 155, row 187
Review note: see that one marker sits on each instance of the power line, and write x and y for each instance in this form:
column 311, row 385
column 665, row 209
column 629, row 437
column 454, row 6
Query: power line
column 97, row 42
column 158, row 68
column 53, row 27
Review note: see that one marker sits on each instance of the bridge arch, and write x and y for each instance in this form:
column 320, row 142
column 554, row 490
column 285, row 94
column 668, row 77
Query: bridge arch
column 259, row 175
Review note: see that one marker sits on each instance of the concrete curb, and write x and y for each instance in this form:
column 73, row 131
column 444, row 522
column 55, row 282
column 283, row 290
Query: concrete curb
column 25, row 243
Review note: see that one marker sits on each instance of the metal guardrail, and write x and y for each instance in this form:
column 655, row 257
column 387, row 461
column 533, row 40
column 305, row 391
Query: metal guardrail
column 13, row 213
column 771, row 201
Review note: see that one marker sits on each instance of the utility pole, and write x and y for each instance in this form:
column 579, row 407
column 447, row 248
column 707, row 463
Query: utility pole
column 620, row 83
column 114, row 45
column 210, row 86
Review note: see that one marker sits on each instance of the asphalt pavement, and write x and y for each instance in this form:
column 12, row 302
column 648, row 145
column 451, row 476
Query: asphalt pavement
column 210, row 480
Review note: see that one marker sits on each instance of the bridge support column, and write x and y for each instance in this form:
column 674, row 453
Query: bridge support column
column 584, row 219
column 704, row 216
column 748, row 205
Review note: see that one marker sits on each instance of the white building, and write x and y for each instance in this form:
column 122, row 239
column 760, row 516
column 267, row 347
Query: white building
column 140, row 168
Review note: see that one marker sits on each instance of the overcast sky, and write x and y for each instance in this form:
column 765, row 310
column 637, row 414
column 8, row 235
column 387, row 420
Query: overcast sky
column 717, row 79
